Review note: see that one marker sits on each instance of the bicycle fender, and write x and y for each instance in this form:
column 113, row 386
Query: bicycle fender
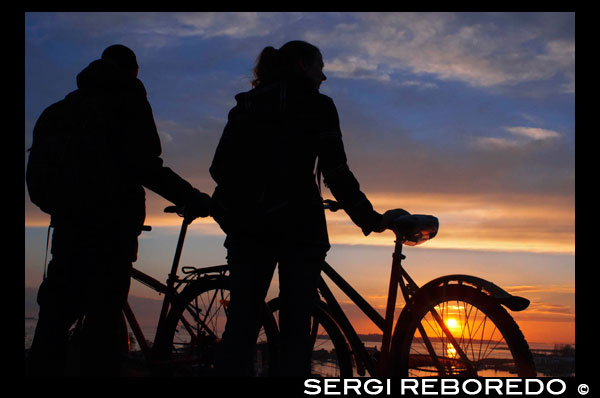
column 514, row 303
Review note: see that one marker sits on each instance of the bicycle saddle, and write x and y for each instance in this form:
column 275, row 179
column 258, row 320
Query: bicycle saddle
column 414, row 229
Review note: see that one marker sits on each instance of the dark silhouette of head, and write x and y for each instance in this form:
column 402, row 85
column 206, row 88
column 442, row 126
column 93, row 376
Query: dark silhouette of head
column 294, row 59
column 121, row 56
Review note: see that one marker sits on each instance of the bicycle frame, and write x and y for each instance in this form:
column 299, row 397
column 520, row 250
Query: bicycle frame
column 169, row 290
column 384, row 324
column 130, row 316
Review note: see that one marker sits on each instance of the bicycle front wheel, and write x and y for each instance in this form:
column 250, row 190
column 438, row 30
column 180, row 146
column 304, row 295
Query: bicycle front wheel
column 457, row 330
column 194, row 327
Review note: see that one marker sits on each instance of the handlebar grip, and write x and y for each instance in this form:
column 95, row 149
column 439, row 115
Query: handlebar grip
column 179, row 210
column 332, row 205
column 171, row 209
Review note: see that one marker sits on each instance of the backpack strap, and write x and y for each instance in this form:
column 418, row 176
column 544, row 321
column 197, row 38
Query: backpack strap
column 319, row 175
column 50, row 226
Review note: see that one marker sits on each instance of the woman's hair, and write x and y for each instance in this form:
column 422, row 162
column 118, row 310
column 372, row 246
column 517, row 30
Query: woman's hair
column 273, row 64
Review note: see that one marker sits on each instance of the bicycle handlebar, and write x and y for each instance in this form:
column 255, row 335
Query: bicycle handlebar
column 174, row 209
column 331, row 205
column 412, row 229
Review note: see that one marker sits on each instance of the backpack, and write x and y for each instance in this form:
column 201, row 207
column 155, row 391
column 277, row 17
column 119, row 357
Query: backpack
column 49, row 176
column 67, row 170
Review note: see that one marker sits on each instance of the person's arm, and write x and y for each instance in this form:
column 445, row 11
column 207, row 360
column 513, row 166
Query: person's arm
column 144, row 154
column 337, row 175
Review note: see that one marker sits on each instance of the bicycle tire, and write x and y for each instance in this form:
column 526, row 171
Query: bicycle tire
column 325, row 363
column 409, row 359
column 189, row 355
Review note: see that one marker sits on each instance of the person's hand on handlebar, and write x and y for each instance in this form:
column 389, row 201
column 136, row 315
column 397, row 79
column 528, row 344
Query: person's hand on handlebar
column 387, row 219
column 198, row 206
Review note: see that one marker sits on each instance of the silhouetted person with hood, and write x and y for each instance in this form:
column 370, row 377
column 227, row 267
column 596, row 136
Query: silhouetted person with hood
column 268, row 201
column 97, row 219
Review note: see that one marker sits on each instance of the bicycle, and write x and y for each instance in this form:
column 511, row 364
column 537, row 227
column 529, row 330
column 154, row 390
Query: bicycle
column 454, row 325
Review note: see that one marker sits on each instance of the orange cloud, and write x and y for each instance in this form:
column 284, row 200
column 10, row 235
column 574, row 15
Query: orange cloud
column 524, row 223
column 476, row 222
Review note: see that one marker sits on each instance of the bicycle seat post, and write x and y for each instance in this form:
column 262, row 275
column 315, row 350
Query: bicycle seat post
column 397, row 256
column 398, row 250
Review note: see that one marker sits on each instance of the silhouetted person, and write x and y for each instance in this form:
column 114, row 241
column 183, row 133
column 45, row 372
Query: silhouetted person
column 115, row 154
column 268, row 201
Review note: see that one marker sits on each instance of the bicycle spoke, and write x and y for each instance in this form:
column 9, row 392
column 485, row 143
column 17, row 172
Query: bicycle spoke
column 314, row 332
column 431, row 351
column 455, row 337
column 208, row 310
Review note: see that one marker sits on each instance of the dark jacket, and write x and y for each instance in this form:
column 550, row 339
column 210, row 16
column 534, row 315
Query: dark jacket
column 118, row 151
column 265, row 166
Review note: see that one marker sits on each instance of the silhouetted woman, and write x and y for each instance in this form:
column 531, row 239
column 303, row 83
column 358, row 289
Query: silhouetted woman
column 279, row 138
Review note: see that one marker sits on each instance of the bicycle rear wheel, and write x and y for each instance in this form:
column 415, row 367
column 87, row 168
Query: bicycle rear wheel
column 330, row 353
column 487, row 340
column 194, row 327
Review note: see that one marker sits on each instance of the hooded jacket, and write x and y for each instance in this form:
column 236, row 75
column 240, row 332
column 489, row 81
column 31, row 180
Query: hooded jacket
column 117, row 151
column 279, row 137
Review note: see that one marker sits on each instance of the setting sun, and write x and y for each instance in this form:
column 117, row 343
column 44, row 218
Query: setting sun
column 452, row 323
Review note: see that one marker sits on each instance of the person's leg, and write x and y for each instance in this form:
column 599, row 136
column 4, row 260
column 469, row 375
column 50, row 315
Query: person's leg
column 60, row 306
column 89, row 275
column 251, row 271
column 48, row 353
column 101, row 338
column 103, row 268
column 299, row 270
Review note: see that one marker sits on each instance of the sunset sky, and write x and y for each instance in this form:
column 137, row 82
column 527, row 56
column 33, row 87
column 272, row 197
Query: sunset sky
column 466, row 116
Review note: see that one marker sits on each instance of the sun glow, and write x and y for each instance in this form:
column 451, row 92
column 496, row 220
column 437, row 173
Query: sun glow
column 452, row 323
column 450, row 351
